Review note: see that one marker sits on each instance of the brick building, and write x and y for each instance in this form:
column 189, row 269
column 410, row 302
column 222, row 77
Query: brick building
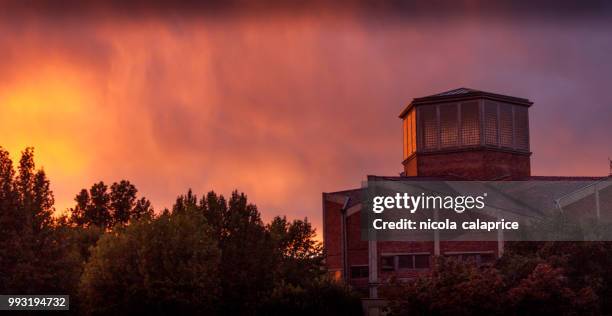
column 462, row 134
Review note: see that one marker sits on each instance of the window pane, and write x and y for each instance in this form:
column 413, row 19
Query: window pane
column 505, row 125
column 421, row 261
column 405, row 262
column 449, row 129
column 470, row 124
column 413, row 129
column 521, row 125
column 490, row 123
column 387, row 263
column 405, row 136
column 429, row 125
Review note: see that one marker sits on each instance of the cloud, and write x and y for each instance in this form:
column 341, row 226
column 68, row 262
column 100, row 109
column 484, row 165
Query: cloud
column 282, row 106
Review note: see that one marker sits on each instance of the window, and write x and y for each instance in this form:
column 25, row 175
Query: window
column 412, row 116
column 429, row 124
column 505, row 126
column 387, row 263
column 521, row 128
column 490, row 123
column 470, row 124
column 409, row 128
column 467, row 124
column 476, row 258
column 407, row 261
column 360, row 272
column 449, row 129
column 405, row 132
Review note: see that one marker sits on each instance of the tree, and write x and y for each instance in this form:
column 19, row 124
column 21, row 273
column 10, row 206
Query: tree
column 299, row 255
column 99, row 207
column 33, row 255
column 11, row 223
column 142, row 210
column 122, row 201
column 452, row 288
column 167, row 265
column 546, row 291
column 246, row 247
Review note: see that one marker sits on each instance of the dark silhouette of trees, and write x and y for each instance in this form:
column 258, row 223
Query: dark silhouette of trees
column 112, row 254
column 103, row 208
column 122, row 201
column 163, row 266
column 33, row 256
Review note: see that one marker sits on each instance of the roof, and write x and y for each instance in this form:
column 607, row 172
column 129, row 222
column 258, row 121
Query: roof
column 463, row 93
column 355, row 194
column 457, row 91
column 541, row 184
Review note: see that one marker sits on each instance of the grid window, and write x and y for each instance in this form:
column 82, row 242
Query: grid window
column 420, row 261
column 505, row 126
column 449, row 129
column 409, row 134
column 429, row 123
column 470, row 124
column 521, row 124
column 490, row 123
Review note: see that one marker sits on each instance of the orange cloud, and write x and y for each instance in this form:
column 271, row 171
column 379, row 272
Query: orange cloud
column 281, row 107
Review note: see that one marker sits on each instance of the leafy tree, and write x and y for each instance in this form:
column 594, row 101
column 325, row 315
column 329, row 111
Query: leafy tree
column 546, row 291
column 163, row 266
column 122, row 201
column 12, row 223
column 78, row 213
column 142, row 210
column 452, row 288
column 300, row 256
column 247, row 253
column 33, row 256
column 103, row 208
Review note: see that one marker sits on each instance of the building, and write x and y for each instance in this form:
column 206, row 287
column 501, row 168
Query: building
column 462, row 134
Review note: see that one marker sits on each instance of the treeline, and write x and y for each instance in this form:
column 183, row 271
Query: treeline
column 532, row 278
column 113, row 254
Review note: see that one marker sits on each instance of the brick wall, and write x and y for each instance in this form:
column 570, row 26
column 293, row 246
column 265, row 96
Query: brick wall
column 472, row 164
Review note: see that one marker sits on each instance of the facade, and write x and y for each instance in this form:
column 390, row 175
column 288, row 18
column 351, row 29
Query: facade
column 462, row 134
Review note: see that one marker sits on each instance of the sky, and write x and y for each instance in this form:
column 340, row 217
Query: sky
column 284, row 102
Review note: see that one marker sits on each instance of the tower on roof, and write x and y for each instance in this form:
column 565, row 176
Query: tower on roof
column 468, row 134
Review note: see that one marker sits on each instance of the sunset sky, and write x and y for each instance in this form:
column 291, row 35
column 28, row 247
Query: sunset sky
column 285, row 103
